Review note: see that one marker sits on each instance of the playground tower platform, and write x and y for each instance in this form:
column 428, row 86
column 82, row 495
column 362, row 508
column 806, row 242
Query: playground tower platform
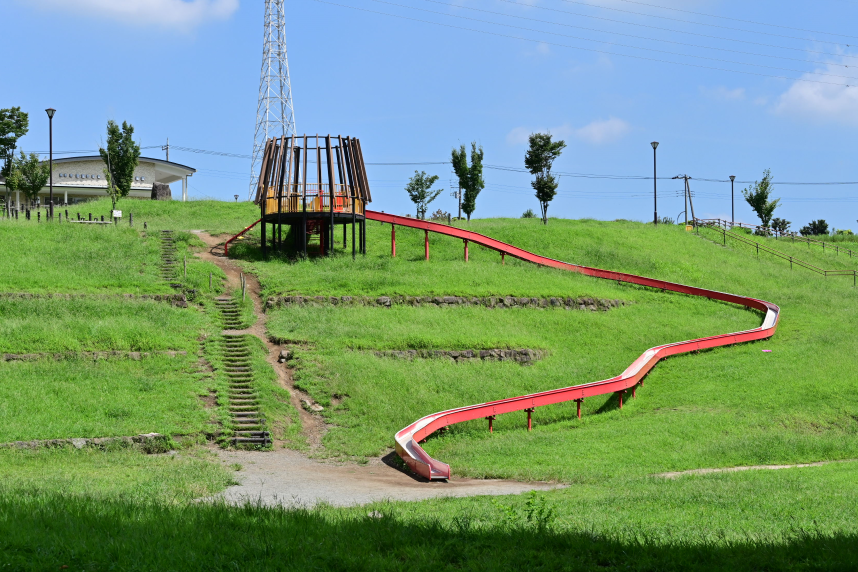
column 312, row 184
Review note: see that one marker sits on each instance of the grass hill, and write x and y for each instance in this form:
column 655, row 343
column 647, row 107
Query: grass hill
column 728, row 407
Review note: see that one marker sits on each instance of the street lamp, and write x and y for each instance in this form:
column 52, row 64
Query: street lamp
column 236, row 198
column 50, row 111
column 732, row 203
column 654, row 187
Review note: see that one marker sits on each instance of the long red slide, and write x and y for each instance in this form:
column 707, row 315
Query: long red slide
column 408, row 439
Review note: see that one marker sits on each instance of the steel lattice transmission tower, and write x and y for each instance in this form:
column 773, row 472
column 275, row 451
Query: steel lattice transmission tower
column 274, row 113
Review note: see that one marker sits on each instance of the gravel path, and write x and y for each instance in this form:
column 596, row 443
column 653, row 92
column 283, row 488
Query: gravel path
column 288, row 478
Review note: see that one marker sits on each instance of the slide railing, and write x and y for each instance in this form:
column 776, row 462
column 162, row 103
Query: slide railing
column 226, row 244
column 408, row 439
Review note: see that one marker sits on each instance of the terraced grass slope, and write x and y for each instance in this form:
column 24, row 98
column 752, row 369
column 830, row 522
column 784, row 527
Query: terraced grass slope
column 732, row 406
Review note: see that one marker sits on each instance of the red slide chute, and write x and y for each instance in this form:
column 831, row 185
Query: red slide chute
column 408, row 439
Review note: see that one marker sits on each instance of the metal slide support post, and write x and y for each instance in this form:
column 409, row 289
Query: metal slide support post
column 503, row 254
column 529, row 420
column 264, row 245
column 466, row 250
column 393, row 241
column 634, row 392
column 620, row 396
column 427, row 244
column 329, row 158
column 578, row 403
column 491, row 419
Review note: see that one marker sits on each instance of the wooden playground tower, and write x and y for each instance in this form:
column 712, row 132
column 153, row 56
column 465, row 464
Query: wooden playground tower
column 312, row 183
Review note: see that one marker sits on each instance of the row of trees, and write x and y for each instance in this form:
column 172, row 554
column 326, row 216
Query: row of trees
column 540, row 156
column 26, row 173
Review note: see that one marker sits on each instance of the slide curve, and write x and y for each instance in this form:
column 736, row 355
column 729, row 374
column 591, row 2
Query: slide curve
column 408, row 439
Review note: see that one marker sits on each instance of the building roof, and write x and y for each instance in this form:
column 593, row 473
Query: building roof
column 146, row 159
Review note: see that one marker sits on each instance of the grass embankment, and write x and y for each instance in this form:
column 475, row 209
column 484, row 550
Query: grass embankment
column 58, row 325
column 49, row 399
column 118, row 473
column 386, row 394
column 216, row 217
column 827, row 259
column 730, row 406
column 47, row 258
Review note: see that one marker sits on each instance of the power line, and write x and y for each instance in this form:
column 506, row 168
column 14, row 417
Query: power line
column 675, row 31
column 609, row 43
column 644, row 58
column 804, row 60
column 701, row 23
column 739, row 19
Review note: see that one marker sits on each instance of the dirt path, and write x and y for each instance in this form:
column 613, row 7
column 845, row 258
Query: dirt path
column 676, row 474
column 289, row 478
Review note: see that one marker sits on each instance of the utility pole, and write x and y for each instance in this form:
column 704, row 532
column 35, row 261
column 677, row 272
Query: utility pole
column 687, row 197
column 654, row 186
column 732, row 203
column 166, row 148
column 457, row 194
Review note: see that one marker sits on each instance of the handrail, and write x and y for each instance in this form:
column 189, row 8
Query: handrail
column 407, row 439
column 708, row 223
column 771, row 232
column 226, row 244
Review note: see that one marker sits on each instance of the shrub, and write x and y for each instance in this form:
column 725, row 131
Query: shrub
column 815, row 228
column 528, row 214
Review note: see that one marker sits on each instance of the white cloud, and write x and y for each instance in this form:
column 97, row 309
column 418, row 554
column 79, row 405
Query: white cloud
column 179, row 14
column 597, row 132
column 820, row 101
column 723, row 93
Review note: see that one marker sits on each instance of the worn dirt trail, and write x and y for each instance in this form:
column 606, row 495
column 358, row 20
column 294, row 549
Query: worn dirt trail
column 289, row 478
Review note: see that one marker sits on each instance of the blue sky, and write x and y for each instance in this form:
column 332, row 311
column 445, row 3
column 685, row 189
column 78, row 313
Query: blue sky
column 413, row 78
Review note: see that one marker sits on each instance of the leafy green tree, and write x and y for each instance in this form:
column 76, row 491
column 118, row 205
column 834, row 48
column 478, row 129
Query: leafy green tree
column 120, row 159
column 14, row 124
column 34, row 174
column 419, row 189
column 528, row 214
column 757, row 195
column 815, row 228
column 780, row 226
column 470, row 178
column 13, row 179
column 538, row 160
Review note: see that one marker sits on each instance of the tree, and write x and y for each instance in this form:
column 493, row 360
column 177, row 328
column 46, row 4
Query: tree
column 538, row 160
column 757, row 195
column 34, row 175
column 470, row 178
column 815, row 228
column 419, row 189
column 14, row 124
column 780, row 226
column 13, row 179
column 120, row 159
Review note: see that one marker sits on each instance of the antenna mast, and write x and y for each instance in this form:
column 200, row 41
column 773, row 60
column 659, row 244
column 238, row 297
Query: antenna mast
column 274, row 114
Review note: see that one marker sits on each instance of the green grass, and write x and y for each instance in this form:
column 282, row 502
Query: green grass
column 730, row 406
column 779, row 520
column 116, row 473
column 99, row 324
column 103, row 398
column 827, row 259
column 216, row 217
column 582, row 346
column 72, row 258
